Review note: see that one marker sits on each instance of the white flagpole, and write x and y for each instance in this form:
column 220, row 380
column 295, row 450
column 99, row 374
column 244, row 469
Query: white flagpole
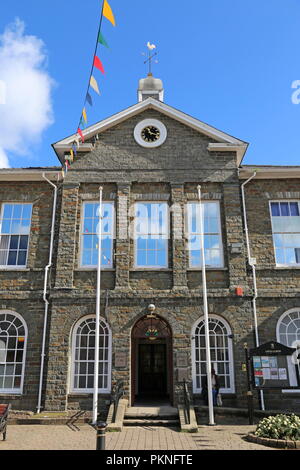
column 97, row 333
column 205, row 308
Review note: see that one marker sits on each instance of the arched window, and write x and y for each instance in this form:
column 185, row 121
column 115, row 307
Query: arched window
column 83, row 353
column 13, row 338
column 288, row 333
column 220, row 350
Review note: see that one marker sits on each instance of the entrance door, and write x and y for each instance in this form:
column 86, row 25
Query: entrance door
column 152, row 380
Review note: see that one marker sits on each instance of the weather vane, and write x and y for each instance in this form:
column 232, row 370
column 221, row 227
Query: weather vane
column 151, row 48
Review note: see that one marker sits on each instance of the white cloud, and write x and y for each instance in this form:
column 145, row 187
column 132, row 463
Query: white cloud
column 26, row 110
column 3, row 159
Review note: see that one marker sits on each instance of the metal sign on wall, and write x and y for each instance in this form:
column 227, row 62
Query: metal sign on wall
column 272, row 367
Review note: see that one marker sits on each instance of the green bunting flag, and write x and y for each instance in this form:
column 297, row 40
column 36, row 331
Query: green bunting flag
column 101, row 40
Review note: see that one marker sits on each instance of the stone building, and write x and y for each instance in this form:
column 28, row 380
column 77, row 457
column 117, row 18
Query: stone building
column 149, row 159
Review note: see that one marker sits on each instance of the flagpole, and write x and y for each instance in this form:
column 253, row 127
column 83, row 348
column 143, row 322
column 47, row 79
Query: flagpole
column 97, row 333
column 205, row 309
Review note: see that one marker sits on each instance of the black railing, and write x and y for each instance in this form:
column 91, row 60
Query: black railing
column 186, row 403
column 117, row 394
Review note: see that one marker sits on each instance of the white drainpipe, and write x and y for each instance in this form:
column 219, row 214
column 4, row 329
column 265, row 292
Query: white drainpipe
column 45, row 292
column 251, row 262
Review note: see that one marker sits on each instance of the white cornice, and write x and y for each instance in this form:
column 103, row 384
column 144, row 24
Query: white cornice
column 269, row 172
column 23, row 175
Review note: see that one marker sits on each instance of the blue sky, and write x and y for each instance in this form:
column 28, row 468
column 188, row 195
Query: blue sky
column 229, row 63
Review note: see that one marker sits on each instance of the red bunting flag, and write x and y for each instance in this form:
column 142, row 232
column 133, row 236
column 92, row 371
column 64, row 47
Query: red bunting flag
column 98, row 64
column 81, row 134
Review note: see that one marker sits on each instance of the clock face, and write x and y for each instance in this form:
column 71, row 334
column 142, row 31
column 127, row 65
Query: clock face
column 150, row 134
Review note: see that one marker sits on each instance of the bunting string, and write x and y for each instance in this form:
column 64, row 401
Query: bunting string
column 106, row 12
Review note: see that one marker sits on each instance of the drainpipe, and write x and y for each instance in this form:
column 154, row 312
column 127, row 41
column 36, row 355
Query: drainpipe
column 45, row 292
column 251, row 262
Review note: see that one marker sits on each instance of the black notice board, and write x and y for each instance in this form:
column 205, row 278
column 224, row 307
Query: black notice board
column 270, row 366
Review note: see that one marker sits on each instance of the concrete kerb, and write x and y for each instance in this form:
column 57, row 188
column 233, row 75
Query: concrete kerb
column 193, row 426
column 118, row 424
column 279, row 443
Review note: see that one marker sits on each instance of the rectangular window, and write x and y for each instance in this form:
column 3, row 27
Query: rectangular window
column 90, row 234
column 151, row 235
column 286, row 232
column 212, row 234
column 15, row 225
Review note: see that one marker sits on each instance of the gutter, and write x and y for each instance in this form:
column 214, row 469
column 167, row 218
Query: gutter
column 252, row 263
column 45, row 299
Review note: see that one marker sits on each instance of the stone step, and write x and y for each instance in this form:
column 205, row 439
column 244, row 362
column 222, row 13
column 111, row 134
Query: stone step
column 150, row 416
column 151, row 422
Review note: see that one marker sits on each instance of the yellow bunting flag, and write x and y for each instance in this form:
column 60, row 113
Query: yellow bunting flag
column 71, row 155
column 94, row 85
column 84, row 114
column 107, row 12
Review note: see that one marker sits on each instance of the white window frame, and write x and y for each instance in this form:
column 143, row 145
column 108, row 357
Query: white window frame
column 93, row 267
column 20, row 390
column 230, row 355
column 291, row 366
column 81, row 391
column 292, row 265
column 188, row 234
column 146, row 267
column 17, row 266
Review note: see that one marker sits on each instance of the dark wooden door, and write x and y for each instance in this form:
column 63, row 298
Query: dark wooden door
column 152, row 370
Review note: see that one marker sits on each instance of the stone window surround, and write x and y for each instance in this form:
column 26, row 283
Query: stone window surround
column 85, row 392
column 288, row 199
column 20, row 391
column 215, row 268
column 282, row 317
column 94, row 268
column 230, row 349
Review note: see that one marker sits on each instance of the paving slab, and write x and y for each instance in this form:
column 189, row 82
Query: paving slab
column 221, row 437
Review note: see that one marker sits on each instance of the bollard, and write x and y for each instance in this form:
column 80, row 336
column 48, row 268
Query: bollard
column 101, row 429
column 250, row 406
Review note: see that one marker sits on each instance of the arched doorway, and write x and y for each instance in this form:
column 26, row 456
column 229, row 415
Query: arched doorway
column 151, row 361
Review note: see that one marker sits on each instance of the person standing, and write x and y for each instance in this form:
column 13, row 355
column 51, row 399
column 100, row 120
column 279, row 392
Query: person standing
column 215, row 387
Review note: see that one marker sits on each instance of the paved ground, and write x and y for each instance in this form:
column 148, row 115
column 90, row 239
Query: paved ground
column 220, row 437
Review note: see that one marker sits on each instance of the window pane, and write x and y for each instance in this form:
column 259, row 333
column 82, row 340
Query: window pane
column 22, row 258
column 23, row 242
column 141, row 258
column 27, row 209
column 12, row 258
column 284, row 209
column 14, row 243
column 5, row 226
column 294, row 208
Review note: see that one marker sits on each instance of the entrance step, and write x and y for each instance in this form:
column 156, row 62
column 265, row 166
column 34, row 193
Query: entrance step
column 151, row 422
column 151, row 416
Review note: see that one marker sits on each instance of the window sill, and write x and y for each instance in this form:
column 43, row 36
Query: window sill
column 11, row 393
column 287, row 266
column 168, row 270
column 5, row 268
column 94, row 269
column 88, row 393
column 207, row 269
